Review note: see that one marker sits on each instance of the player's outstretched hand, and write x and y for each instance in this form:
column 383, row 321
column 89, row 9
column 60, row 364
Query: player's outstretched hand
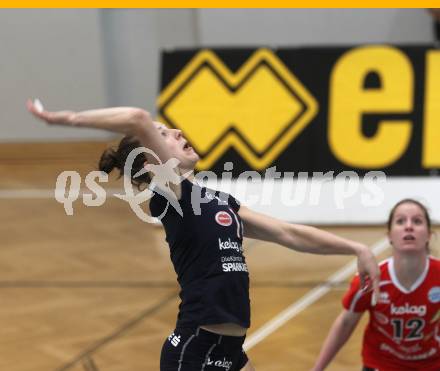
column 369, row 272
column 53, row 118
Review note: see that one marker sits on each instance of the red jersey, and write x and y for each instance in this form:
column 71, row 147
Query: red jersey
column 403, row 331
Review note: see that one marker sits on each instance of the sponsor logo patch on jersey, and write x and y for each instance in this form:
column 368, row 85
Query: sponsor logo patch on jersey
column 174, row 339
column 229, row 245
column 223, row 363
column 381, row 318
column 223, row 218
column 434, row 294
column 419, row 310
column 384, row 297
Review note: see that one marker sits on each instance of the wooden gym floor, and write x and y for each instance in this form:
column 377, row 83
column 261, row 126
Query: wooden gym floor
column 96, row 291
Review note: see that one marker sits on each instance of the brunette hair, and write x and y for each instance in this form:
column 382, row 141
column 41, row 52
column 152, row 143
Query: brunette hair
column 115, row 159
column 412, row 201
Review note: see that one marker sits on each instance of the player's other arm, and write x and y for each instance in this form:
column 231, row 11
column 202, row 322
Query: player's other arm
column 338, row 335
column 296, row 236
column 311, row 240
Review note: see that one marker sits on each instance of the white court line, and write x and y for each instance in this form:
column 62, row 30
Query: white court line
column 308, row 299
column 46, row 193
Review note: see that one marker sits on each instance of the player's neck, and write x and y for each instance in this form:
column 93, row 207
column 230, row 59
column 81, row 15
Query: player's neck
column 189, row 174
column 409, row 267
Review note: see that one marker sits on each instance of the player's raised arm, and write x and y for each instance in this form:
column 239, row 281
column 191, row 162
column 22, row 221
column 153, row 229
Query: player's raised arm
column 129, row 121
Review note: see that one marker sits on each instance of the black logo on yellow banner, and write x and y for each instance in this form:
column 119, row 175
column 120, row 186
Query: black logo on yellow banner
column 258, row 110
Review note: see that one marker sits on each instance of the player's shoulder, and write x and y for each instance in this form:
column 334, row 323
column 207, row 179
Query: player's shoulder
column 383, row 266
column 434, row 263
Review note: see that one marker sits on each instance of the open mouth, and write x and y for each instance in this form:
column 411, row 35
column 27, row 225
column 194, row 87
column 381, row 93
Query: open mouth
column 409, row 238
column 187, row 147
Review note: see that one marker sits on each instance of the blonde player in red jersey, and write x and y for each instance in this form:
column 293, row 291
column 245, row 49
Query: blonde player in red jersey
column 403, row 331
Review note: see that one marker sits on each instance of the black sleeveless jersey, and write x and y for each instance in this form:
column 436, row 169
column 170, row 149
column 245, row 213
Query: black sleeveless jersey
column 206, row 251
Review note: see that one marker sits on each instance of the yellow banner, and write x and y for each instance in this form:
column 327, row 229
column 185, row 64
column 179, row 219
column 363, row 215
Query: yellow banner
column 366, row 108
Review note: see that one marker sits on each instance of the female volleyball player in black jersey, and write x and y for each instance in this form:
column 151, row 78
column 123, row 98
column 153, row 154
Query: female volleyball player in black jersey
column 206, row 246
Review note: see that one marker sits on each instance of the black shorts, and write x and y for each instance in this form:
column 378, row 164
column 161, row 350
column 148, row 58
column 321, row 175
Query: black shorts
column 195, row 349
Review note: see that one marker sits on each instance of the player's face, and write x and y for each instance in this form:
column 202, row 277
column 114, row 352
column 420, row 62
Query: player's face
column 178, row 146
column 409, row 229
